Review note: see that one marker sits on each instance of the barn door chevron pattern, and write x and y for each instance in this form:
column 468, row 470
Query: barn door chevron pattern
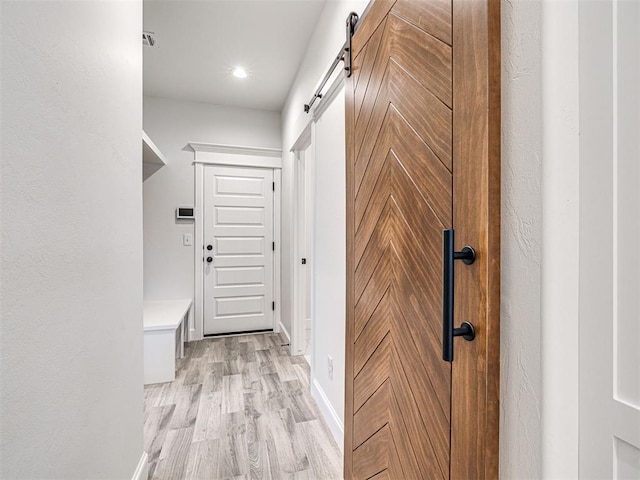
column 400, row 175
column 403, row 201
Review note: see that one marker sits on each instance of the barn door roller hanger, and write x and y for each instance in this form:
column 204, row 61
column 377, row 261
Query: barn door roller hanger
column 466, row 330
column 343, row 55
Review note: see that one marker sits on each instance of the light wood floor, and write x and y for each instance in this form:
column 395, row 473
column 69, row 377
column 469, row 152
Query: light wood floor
column 240, row 407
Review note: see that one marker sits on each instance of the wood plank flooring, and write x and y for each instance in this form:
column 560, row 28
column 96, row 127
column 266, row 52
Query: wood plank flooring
column 240, row 407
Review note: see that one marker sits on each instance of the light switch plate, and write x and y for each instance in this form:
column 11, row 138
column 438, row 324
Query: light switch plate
column 187, row 239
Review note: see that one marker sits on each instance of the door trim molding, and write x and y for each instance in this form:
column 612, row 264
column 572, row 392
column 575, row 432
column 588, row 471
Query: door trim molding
column 305, row 140
column 277, row 254
column 235, row 155
column 196, row 332
column 328, row 97
column 303, row 144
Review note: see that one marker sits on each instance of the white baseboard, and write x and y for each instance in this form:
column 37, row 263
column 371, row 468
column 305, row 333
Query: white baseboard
column 285, row 332
column 142, row 470
column 328, row 413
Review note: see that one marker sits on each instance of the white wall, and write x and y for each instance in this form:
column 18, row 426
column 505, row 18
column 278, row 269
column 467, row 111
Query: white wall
column 71, row 230
column 171, row 124
column 324, row 45
column 329, row 259
column 521, row 369
column 329, row 327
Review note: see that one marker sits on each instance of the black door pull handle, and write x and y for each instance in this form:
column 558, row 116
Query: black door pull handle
column 449, row 256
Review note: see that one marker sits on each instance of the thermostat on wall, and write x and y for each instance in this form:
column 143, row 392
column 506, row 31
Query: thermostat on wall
column 184, row 213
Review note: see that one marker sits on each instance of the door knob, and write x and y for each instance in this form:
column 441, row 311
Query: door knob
column 466, row 330
column 209, row 259
column 209, row 247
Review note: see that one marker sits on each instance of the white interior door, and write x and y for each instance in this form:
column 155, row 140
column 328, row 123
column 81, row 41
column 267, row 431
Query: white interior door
column 609, row 240
column 238, row 242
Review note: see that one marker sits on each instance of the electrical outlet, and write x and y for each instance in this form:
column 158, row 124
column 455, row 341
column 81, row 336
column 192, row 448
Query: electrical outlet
column 187, row 239
column 330, row 367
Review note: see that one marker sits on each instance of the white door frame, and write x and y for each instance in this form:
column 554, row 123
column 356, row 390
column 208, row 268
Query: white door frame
column 305, row 143
column 303, row 152
column 239, row 156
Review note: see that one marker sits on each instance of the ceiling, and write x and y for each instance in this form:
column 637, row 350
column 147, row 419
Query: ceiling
column 198, row 43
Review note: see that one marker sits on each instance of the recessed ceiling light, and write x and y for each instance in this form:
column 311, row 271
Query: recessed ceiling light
column 239, row 72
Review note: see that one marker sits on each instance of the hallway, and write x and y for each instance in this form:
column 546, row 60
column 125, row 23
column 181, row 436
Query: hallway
column 240, row 407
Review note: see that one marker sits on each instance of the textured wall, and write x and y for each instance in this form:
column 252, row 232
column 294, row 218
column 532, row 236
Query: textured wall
column 171, row 124
column 521, row 375
column 71, row 229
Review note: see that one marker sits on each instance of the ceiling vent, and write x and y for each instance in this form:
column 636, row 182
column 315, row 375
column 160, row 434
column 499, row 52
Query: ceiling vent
column 148, row 39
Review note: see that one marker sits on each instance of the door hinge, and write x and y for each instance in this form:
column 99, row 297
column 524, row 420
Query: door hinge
column 304, row 261
column 273, row 246
column 273, row 306
column 273, row 186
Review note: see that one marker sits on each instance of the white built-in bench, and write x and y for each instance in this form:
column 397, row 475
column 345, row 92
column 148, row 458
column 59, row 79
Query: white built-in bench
column 166, row 326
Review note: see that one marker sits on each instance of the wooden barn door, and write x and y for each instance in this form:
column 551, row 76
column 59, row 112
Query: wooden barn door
column 423, row 156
